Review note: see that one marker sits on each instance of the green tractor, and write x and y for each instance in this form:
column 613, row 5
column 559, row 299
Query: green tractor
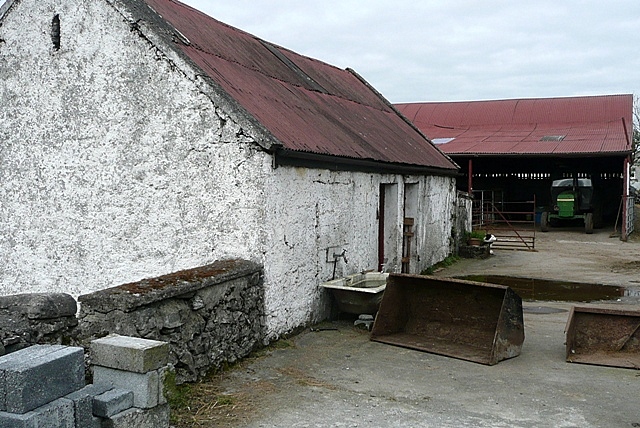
column 570, row 199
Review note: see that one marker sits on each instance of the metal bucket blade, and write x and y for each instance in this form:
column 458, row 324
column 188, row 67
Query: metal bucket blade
column 462, row 319
column 603, row 336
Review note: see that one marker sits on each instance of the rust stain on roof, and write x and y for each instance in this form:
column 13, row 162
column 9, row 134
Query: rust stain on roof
column 307, row 105
column 581, row 125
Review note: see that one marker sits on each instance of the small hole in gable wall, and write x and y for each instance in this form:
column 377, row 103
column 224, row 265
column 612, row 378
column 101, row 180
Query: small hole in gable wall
column 55, row 31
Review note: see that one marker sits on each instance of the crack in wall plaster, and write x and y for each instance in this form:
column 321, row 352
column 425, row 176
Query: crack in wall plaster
column 331, row 182
column 286, row 242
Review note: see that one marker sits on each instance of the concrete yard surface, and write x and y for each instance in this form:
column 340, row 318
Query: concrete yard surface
column 334, row 376
column 338, row 378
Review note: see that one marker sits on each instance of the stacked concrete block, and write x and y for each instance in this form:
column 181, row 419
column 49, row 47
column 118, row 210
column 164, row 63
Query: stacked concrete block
column 139, row 418
column 112, row 402
column 59, row 413
column 38, row 375
column 33, row 382
column 43, row 386
column 83, row 405
column 137, row 365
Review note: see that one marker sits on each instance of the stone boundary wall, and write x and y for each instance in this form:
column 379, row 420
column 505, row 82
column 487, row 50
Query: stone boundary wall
column 209, row 315
column 39, row 318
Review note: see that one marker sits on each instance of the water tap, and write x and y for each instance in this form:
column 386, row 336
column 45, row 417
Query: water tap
column 388, row 268
column 336, row 256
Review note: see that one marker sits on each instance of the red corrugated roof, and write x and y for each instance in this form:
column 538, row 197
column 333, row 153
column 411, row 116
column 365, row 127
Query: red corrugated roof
column 587, row 125
column 308, row 105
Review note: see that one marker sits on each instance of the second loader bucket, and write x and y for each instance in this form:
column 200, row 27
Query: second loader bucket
column 469, row 320
column 606, row 336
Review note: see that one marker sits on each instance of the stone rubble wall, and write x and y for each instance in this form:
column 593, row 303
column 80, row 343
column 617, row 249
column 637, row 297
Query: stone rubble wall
column 209, row 315
column 29, row 319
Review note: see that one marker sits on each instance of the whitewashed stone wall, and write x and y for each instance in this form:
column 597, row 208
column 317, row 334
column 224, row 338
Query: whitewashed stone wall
column 321, row 210
column 114, row 166
column 118, row 163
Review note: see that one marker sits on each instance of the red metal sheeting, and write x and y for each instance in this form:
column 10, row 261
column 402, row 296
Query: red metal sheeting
column 586, row 125
column 308, row 105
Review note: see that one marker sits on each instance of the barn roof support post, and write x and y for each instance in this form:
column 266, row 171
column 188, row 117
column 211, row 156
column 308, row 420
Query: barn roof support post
column 470, row 178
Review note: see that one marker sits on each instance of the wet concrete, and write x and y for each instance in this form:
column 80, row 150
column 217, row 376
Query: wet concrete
column 339, row 378
column 545, row 289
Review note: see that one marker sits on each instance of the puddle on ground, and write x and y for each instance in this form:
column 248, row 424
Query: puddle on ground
column 541, row 289
column 542, row 310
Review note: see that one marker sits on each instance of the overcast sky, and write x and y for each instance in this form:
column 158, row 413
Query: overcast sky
column 436, row 50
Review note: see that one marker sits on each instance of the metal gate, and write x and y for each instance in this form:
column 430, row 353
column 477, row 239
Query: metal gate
column 631, row 219
column 512, row 223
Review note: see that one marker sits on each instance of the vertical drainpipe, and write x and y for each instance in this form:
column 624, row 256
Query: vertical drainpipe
column 381, row 229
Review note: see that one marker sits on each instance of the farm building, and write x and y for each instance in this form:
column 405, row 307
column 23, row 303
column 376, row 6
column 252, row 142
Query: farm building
column 142, row 137
column 512, row 150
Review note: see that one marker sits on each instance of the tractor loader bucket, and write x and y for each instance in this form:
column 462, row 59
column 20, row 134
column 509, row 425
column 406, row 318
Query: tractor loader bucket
column 605, row 336
column 469, row 320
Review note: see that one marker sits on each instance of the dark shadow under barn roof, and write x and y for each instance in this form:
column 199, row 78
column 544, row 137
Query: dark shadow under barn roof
column 571, row 126
column 309, row 107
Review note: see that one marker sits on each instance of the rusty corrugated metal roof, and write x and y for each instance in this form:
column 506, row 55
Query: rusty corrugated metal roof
column 586, row 125
column 307, row 105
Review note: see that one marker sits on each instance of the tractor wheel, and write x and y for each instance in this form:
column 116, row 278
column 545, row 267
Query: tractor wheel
column 588, row 223
column 544, row 221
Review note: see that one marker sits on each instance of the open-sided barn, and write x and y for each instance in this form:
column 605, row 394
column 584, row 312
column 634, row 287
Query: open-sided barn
column 516, row 148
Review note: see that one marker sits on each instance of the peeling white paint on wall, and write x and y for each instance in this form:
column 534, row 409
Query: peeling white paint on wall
column 322, row 210
column 117, row 163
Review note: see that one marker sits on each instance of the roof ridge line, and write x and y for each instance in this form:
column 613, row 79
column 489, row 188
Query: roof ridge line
column 198, row 48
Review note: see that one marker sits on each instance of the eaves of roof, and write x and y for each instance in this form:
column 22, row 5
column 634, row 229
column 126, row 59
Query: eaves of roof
column 298, row 158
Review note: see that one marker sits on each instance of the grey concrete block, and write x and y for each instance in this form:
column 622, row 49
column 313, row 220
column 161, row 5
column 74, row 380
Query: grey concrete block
column 20, row 357
column 38, row 375
column 13, row 420
column 90, row 390
column 57, row 414
column 83, row 403
column 11, row 361
column 129, row 353
column 158, row 417
column 145, row 386
column 112, row 402
column 167, row 379
column 83, row 410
